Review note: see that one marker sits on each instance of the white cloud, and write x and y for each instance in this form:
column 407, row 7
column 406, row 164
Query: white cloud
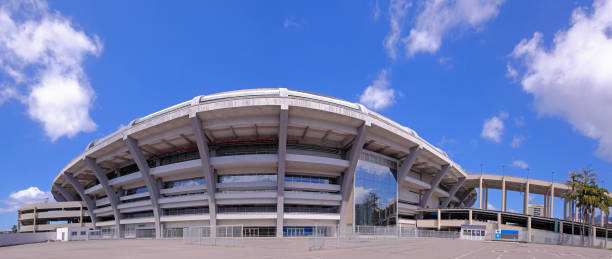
column 376, row 13
column 397, row 15
column 445, row 141
column 511, row 71
column 20, row 198
column 517, row 141
column 520, row 164
column 42, row 54
column 439, row 17
column 490, row 206
column 572, row 78
column 378, row 95
column 519, row 122
column 493, row 128
column 361, row 193
column 513, row 211
column 290, row 22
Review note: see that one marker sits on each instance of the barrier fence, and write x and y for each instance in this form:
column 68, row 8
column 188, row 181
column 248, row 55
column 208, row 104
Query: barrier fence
column 372, row 235
column 225, row 235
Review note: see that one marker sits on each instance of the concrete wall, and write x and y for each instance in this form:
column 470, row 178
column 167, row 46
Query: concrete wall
column 25, row 238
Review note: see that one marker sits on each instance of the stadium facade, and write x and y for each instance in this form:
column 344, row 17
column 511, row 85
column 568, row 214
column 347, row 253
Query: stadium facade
column 275, row 161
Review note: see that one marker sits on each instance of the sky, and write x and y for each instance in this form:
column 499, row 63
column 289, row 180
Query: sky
column 522, row 88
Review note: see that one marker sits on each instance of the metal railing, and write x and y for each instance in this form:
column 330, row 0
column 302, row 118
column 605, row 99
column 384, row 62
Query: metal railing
column 230, row 235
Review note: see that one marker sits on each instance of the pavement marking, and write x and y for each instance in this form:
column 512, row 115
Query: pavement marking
column 469, row 253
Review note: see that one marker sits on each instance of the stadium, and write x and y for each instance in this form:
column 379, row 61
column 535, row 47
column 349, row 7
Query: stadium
column 282, row 163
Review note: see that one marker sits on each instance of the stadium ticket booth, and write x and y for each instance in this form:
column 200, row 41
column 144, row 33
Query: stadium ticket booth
column 473, row 232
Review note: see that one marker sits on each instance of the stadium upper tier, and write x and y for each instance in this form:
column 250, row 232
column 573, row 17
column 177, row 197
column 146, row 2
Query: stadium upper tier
column 271, row 159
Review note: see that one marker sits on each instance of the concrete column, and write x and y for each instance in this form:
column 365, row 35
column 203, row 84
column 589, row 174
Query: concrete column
column 280, row 178
column 552, row 201
column 143, row 166
column 486, row 198
column 545, row 205
column 348, row 176
column 561, row 227
column 207, row 171
column 407, row 164
column 499, row 220
column 110, row 193
column 504, row 194
column 434, row 184
column 470, row 217
column 67, row 196
column 528, row 229
column 452, row 192
column 81, row 215
column 35, row 216
column 480, row 193
column 91, row 206
column 526, row 198
column 439, row 219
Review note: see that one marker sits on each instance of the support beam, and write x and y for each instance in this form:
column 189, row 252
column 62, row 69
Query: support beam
column 504, row 194
column 349, row 174
column 528, row 226
column 143, row 166
column 480, row 192
column 407, row 164
column 526, row 199
column 439, row 219
column 67, row 196
column 470, row 217
column 434, row 184
column 58, row 197
column 452, row 192
column 552, row 201
column 280, row 177
column 91, row 206
column 211, row 182
column 110, row 193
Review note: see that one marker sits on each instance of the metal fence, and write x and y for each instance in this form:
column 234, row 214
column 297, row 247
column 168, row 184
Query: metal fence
column 231, row 235
column 371, row 235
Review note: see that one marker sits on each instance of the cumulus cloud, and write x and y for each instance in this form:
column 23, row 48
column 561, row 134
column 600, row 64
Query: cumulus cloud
column 22, row 197
column 397, row 16
column 439, row 17
column 290, row 22
column 378, row 95
column 517, row 141
column 520, row 164
column 493, row 128
column 42, row 55
column 571, row 79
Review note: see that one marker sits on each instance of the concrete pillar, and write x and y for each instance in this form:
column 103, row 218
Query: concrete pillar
column 81, row 215
column 545, row 205
column 480, row 193
column 552, row 201
column 439, row 219
column 280, row 178
column 110, row 193
column 470, row 217
column 526, row 198
column 528, row 229
column 452, row 192
column 348, row 177
column 499, row 220
column 504, row 194
column 486, row 199
column 207, row 171
column 434, row 184
column 91, row 206
column 35, row 216
column 561, row 227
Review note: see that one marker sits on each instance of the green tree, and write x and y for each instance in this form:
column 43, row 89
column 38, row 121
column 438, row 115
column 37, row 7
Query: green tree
column 14, row 229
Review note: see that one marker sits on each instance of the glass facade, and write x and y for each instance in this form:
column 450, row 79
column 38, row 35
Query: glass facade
column 375, row 191
column 245, row 178
column 185, row 182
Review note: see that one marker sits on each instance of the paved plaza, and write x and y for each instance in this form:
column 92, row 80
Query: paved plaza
column 298, row 248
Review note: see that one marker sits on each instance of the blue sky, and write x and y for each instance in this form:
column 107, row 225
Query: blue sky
column 470, row 76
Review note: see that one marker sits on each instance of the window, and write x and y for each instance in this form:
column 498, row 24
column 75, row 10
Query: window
column 245, row 178
column 142, row 189
column 310, row 179
column 83, row 233
column 74, row 233
column 185, row 182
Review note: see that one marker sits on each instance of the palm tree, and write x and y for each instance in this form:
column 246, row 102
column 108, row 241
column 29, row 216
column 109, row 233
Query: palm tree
column 572, row 196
